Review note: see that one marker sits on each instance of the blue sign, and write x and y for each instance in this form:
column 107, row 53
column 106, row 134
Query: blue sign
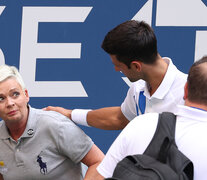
column 56, row 45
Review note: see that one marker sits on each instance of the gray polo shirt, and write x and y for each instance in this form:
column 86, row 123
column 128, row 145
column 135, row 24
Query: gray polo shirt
column 51, row 147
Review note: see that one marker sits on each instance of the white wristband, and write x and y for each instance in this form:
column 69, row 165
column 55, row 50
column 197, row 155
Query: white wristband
column 79, row 116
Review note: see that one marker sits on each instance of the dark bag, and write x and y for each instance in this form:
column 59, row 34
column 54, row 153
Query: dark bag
column 161, row 160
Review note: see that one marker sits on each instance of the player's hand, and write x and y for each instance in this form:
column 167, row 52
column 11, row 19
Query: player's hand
column 65, row 112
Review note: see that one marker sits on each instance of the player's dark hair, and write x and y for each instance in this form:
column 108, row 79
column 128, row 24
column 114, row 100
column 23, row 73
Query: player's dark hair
column 131, row 41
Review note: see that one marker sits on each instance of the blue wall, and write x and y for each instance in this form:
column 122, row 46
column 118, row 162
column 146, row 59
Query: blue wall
column 180, row 36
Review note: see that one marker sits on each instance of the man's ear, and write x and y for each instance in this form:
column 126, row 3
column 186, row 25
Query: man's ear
column 185, row 91
column 137, row 65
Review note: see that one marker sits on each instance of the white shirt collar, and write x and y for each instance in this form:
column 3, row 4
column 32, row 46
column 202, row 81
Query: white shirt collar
column 191, row 113
column 166, row 83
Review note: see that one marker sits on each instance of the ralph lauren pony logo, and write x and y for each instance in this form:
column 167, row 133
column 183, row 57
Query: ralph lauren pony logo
column 43, row 165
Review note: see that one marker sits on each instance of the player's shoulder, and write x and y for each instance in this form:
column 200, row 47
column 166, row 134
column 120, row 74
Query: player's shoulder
column 138, row 85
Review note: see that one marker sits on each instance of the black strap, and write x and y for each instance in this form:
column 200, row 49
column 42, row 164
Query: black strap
column 164, row 136
column 163, row 141
column 168, row 121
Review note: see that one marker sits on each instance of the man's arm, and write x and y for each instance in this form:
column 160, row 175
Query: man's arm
column 109, row 118
column 92, row 159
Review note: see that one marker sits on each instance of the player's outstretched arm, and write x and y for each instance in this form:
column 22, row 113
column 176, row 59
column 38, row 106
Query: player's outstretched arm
column 109, row 118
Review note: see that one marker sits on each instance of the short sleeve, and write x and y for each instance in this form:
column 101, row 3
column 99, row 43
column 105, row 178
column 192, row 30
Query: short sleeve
column 72, row 141
column 128, row 107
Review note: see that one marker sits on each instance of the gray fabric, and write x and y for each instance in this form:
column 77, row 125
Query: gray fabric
column 51, row 136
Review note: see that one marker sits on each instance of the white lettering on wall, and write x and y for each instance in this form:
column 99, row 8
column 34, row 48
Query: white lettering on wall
column 185, row 13
column 181, row 13
column 145, row 13
column 2, row 59
column 200, row 47
column 31, row 50
column 2, row 9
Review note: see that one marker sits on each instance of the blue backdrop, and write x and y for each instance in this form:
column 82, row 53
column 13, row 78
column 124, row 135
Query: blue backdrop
column 56, row 44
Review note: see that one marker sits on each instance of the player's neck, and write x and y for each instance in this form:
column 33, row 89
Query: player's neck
column 156, row 74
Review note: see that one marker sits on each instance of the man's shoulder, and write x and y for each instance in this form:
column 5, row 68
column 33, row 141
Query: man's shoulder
column 175, row 76
column 180, row 80
column 138, row 85
column 144, row 120
column 174, row 69
column 179, row 75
